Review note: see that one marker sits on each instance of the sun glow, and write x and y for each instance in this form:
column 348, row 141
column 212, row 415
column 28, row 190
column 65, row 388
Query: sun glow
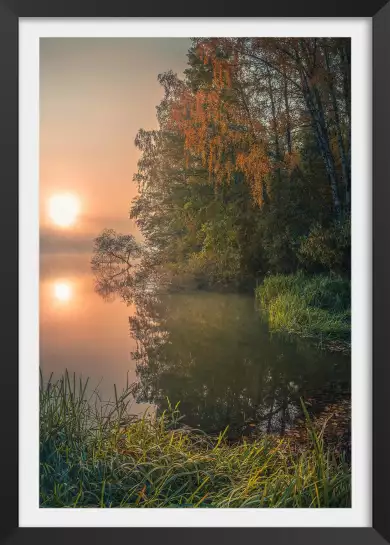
column 64, row 209
column 62, row 291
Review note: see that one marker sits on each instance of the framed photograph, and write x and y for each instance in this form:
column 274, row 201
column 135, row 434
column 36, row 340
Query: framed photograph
column 200, row 345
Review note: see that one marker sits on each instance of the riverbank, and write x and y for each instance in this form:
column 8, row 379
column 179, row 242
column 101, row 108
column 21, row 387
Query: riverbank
column 100, row 456
column 317, row 307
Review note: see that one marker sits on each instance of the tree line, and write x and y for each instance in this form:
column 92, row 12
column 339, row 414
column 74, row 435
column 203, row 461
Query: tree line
column 248, row 173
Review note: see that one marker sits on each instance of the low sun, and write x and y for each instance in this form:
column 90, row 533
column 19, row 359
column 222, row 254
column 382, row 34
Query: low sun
column 62, row 291
column 64, row 209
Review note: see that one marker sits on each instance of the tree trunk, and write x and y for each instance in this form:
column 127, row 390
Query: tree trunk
column 345, row 57
column 345, row 165
column 274, row 120
column 314, row 106
column 288, row 119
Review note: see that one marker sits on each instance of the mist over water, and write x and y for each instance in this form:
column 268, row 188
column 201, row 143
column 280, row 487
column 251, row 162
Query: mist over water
column 211, row 352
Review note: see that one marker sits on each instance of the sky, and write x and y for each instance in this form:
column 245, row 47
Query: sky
column 95, row 94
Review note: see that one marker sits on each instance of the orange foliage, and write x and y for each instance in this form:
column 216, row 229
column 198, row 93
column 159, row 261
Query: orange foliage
column 219, row 129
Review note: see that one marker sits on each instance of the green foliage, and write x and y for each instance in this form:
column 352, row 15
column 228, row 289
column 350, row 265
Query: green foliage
column 329, row 247
column 317, row 306
column 248, row 173
column 96, row 455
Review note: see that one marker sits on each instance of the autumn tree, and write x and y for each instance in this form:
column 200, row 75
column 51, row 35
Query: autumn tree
column 248, row 172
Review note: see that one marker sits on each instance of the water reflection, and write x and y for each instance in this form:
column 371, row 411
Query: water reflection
column 212, row 352
column 215, row 355
column 85, row 334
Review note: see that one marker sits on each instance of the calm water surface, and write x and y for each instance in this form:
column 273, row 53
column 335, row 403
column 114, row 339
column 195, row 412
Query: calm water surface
column 210, row 351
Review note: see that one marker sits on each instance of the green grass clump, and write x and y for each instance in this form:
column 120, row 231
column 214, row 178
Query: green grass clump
column 95, row 454
column 310, row 306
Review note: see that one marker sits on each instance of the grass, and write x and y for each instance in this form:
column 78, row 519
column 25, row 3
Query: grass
column 310, row 306
column 95, row 454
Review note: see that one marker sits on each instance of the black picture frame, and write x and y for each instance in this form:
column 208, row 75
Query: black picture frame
column 10, row 12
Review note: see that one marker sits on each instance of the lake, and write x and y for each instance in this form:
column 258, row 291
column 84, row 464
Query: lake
column 211, row 352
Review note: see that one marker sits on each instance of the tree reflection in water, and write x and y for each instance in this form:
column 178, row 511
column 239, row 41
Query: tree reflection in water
column 214, row 354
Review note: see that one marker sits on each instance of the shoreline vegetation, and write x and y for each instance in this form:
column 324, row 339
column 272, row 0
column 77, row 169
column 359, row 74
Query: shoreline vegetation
column 247, row 177
column 314, row 307
column 95, row 454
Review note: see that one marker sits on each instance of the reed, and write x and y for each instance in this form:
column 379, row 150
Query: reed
column 317, row 306
column 96, row 454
